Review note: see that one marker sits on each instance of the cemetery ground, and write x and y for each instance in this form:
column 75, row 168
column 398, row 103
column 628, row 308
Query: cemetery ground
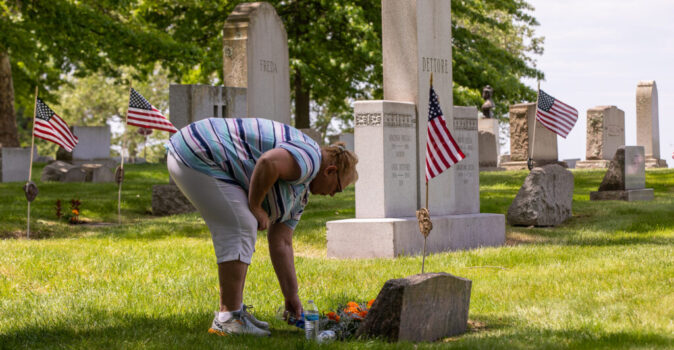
column 603, row 279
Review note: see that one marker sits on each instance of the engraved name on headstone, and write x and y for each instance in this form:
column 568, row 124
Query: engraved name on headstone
column 255, row 56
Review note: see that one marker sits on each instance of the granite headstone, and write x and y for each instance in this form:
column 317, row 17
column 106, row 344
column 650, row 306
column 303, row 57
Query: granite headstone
column 255, row 57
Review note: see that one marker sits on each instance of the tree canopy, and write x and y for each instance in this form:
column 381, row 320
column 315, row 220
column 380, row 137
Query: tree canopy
column 334, row 49
column 48, row 41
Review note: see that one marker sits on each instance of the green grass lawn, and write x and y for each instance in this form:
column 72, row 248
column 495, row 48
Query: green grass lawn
column 602, row 280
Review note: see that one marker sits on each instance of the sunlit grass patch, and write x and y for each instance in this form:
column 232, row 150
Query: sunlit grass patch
column 601, row 280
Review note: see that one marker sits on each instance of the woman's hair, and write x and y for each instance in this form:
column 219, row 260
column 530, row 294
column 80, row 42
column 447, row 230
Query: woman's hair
column 344, row 159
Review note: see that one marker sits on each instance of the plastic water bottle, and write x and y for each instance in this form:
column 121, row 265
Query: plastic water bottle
column 311, row 321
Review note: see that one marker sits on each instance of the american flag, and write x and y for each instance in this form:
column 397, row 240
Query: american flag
column 141, row 113
column 51, row 127
column 441, row 149
column 555, row 115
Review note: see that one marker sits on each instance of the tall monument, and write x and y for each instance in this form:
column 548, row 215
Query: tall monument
column 390, row 141
column 255, row 56
column 648, row 128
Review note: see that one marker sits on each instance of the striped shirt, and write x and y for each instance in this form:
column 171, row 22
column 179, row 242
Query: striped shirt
column 228, row 149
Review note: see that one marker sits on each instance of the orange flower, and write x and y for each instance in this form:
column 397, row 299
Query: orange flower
column 333, row 316
column 352, row 308
column 369, row 303
column 76, row 212
column 362, row 313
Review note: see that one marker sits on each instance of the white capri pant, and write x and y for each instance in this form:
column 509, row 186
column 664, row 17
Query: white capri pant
column 223, row 206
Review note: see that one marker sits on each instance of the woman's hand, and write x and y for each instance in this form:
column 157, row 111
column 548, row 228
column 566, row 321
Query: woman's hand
column 262, row 218
column 293, row 309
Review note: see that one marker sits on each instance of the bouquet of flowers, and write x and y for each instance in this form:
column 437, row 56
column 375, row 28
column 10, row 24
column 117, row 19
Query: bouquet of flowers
column 346, row 320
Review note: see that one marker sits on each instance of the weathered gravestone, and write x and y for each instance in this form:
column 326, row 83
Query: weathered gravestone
column 605, row 133
column 55, row 171
column 256, row 79
column 522, row 120
column 424, row 307
column 168, row 200
column 256, row 58
column 625, row 178
column 571, row 162
column 14, row 164
column 349, row 140
column 191, row 103
column 544, row 199
column 188, row 104
column 390, row 141
column 488, row 138
column 648, row 128
column 86, row 172
column 314, row 135
column 93, row 146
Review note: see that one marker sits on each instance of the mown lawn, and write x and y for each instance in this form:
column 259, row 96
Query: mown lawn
column 602, row 280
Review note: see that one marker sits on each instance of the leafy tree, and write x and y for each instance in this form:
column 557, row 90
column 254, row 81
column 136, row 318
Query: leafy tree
column 492, row 44
column 85, row 103
column 45, row 42
column 335, row 48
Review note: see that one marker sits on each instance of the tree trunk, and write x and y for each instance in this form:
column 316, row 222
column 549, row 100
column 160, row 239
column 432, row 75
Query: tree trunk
column 301, row 104
column 8, row 132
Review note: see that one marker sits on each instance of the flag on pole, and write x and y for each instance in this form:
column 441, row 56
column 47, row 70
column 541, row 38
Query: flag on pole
column 141, row 113
column 555, row 115
column 49, row 126
column 441, row 149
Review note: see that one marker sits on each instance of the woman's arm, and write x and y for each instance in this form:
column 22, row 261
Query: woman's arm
column 273, row 165
column 280, row 240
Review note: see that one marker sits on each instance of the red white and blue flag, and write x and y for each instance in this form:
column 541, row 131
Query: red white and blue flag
column 141, row 113
column 441, row 150
column 49, row 126
column 555, row 115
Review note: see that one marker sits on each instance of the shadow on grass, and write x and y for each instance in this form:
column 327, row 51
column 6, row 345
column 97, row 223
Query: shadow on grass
column 190, row 331
column 502, row 333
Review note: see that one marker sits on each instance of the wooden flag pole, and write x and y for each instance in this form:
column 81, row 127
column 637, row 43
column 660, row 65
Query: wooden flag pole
column 30, row 167
column 533, row 143
column 121, row 165
column 423, row 259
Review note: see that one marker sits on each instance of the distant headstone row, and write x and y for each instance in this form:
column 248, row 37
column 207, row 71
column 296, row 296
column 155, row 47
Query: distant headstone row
column 605, row 133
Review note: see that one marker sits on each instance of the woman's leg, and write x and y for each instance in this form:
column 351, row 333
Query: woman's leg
column 233, row 227
column 232, row 277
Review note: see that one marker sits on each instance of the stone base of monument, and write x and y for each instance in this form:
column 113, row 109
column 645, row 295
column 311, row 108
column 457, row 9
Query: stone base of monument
column 424, row 307
column 14, row 164
column 656, row 163
column 522, row 165
column 391, row 237
column 169, row 200
column 644, row 194
column 593, row 164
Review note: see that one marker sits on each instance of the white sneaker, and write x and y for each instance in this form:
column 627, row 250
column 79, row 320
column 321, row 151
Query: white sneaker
column 236, row 325
column 252, row 319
